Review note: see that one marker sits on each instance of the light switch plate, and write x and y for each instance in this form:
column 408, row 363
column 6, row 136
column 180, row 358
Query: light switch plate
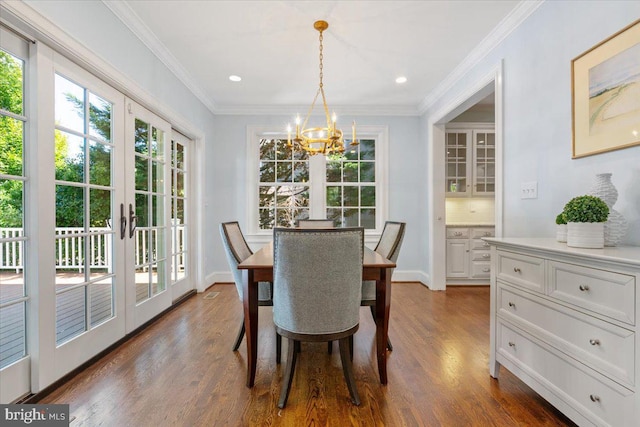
column 529, row 190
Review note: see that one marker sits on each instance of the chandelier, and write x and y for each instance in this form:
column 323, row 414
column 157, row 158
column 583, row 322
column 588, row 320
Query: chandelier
column 319, row 140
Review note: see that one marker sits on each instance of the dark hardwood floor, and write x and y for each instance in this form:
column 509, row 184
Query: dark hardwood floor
column 181, row 371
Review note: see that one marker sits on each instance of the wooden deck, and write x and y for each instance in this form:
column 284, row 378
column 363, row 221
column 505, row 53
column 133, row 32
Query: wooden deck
column 71, row 319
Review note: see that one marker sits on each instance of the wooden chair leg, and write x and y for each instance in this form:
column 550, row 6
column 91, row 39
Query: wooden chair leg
column 330, row 347
column 373, row 313
column 236, row 346
column 292, row 354
column 347, row 369
column 278, row 348
column 351, row 347
column 297, row 346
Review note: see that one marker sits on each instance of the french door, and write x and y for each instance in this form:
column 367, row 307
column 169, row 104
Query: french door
column 146, row 213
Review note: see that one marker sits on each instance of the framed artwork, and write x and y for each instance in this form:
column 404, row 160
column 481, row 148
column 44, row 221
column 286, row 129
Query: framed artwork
column 605, row 92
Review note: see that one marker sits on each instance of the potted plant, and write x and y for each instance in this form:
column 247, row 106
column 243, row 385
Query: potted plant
column 585, row 216
column 561, row 228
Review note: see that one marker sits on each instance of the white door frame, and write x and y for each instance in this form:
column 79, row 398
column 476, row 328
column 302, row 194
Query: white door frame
column 474, row 92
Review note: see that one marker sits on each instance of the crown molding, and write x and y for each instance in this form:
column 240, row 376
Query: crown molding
column 495, row 37
column 131, row 20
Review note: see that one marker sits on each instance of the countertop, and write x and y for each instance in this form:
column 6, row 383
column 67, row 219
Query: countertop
column 470, row 224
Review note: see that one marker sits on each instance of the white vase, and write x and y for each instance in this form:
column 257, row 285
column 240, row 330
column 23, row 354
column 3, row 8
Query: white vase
column 588, row 235
column 561, row 232
column 616, row 226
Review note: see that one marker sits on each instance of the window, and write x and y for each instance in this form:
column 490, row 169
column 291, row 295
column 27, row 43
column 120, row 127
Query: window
column 349, row 188
column 13, row 291
column 179, row 207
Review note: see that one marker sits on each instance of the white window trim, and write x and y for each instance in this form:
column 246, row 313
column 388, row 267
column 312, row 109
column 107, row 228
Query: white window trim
column 255, row 133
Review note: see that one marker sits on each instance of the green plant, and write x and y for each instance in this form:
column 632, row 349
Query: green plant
column 560, row 219
column 586, row 209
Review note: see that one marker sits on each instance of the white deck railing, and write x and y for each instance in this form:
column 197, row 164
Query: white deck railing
column 69, row 247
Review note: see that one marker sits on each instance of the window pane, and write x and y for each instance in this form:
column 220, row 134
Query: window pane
column 100, row 256
column 100, row 294
column 367, row 149
column 334, row 196
column 11, row 144
column 142, row 210
column 157, row 179
column 11, row 281
column 11, row 203
column 158, row 210
column 99, row 207
column 70, row 314
column 69, row 257
column 336, row 216
column 178, row 214
column 267, row 149
column 334, row 170
column 350, row 172
column 99, row 117
column 69, row 206
column 351, row 196
column 351, row 218
column 12, row 333
column 301, row 172
column 69, row 152
column 266, row 196
column 368, row 196
column 142, row 137
column 142, row 173
column 179, row 156
column 100, row 164
column 179, row 185
column 11, row 98
column 368, row 218
column 367, row 172
column 267, row 171
column 267, row 218
column 69, row 109
column 283, row 151
column 158, row 279
column 143, row 291
column 157, row 143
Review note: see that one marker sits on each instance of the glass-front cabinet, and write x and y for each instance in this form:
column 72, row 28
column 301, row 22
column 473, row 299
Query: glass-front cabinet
column 470, row 161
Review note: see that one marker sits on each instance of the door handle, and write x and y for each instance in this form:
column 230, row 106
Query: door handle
column 123, row 222
column 133, row 221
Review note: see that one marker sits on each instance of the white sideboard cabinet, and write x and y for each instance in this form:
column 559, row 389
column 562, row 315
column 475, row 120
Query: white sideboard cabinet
column 564, row 321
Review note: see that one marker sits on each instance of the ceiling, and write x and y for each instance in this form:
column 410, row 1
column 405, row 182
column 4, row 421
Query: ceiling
column 273, row 46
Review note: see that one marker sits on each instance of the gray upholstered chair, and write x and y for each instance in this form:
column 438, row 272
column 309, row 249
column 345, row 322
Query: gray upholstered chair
column 317, row 280
column 389, row 247
column 315, row 223
column 238, row 250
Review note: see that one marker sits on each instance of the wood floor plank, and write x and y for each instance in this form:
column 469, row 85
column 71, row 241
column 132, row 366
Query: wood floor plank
column 181, row 371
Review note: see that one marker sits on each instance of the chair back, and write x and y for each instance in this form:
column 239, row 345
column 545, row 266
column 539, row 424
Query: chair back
column 317, row 279
column 315, row 223
column 236, row 248
column 391, row 240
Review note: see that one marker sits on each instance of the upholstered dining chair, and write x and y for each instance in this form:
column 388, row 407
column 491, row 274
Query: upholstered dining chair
column 315, row 223
column 389, row 247
column 238, row 250
column 317, row 280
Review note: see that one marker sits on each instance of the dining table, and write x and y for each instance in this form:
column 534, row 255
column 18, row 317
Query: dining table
column 259, row 268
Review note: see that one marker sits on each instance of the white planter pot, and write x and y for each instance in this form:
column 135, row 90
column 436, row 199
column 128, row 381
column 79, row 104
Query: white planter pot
column 561, row 232
column 585, row 235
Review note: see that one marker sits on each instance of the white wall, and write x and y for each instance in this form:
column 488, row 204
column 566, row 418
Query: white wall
column 537, row 115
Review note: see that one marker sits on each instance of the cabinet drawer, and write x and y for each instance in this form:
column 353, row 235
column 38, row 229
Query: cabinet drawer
column 601, row 345
column 480, row 255
column 523, row 270
column 457, row 233
column 480, row 269
column 596, row 397
column 603, row 292
column 480, row 244
column 480, row 232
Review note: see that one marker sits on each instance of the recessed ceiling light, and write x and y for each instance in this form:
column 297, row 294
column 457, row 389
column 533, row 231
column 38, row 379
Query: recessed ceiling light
column 401, row 79
column 235, row 78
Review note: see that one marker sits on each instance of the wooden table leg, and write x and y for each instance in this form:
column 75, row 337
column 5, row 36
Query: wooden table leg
column 383, row 303
column 250, row 303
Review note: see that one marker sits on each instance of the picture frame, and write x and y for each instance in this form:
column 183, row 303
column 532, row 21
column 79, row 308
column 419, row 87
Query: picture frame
column 605, row 94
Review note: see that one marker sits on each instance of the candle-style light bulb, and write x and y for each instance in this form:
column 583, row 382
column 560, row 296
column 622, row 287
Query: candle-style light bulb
column 289, row 134
column 353, row 132
column 333, row 124
column 297, row 126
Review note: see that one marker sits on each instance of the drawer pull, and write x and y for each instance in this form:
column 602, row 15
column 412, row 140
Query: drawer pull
column 486, row 270
column 583, row 288
column 486, row 255
column 594, row 398
column 594, row 342
column 512, row 344
column 511, row 304
column 487, row 233
column 486, row 245
column 516, row 270
column 458, row 233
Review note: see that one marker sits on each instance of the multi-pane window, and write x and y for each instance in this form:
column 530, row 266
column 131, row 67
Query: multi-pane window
column 13, row 292
column 179, row 222
column 84, row 189
column 351, row 186
column 283, row 189
column 293, row 185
